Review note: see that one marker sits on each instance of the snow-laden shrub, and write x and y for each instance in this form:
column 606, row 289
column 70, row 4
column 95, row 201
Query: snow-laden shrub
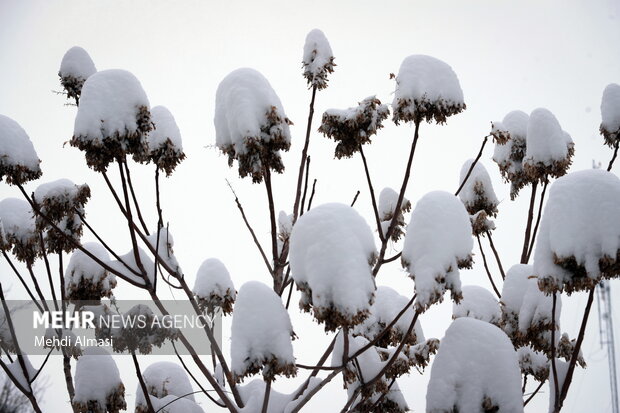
column 18, row 230
column 478, row 303
column 438, row 242
column 610, row 114
column 510, row 137
column 388, row 198
column 476, row 370
column 477, row 194
column 164, row 144
column 318, row 59
column 19, row 162
column 353, row 127
column 579, row 238
column 213, row 287
column 426, row 89
column 98, row 385
column 76, row 66
column 261, row 334
column 62, row 202
column 549, row 149
column 85, row 279
column 533, row 363
column 388, row 303
column 112, row 118
column 331, row 253
column 250, row 123
column 162, row 379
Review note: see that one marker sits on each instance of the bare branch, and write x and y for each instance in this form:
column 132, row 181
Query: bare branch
column 373, row 198
column 471, row 168
column 486, row 267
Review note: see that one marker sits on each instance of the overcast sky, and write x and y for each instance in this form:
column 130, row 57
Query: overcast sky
column 507, row 54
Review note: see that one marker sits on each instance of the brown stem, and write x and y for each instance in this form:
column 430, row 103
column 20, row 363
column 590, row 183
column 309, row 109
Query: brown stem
column 147, row 396
column 311, row 195
column 499, row 262
column 471, row 168
column 303, row 198
column 21, row 279
column 135, row 199
column 48, row 270
column 304, row 154
column 277, row 276
column 613, row 158
column 524, row 383
column 355, row 198
column 316, row 369
column 66, row 360
column 37, row 288
column 486, row 267
column 372, row 196
column 528, row 228
column 540, row 207
column 266, row 397
column 394, row 258
column 533, row 394
column 556, row 397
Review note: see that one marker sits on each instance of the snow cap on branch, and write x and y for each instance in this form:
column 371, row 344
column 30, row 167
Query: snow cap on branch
column 426, row 89
column 213, row 287
column 164, row 378
column 510, row 141
column 18, row 230
column 85, row 279
column 112, row 118
column 388, row 198
column 579, row 238
column 165, row 148
column 250, row 123
column 478, row 303
column 353, row 127
column 76, row 66
column 476, row 370
column 98, row 385
column 610, row 114
column 438, row 242
column 331, row 253
column 477, row 194
column 261, row 334
column 19, row 162
column 318, row 60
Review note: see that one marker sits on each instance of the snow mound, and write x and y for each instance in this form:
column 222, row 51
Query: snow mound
column 478, row 303
column 261, row 334
column 579, row 236
column 318, row 59
column 388, row 198
column 353, row 127
column 98, row 385
column 165, row 148
column 438, row 242
column 534, row 363
column 213, row 287
column 610, row 114
column 250, row 123
column 331, row 252
column 18, row 230
column 19, row 162
column 85, row 279
column 476, row 369
column 426, row 89
column 477, row 194
column 164, row 378
column 128, row 266
column 76, row 66
column 112, row 118
column 511, row 137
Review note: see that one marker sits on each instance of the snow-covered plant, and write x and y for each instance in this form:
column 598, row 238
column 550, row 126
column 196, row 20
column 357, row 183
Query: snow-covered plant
column 162, row 379
column 318, row 59
column 112, row 119
column 61, row 202
column 19, row 162
column 388, row 198
column 610, row 114
column 478, row 196
column 98, row 385
column 353, row 127
column 476, row 370
column 579, row 237
column 533, row 363
column 213, row 287
column 478, row 303
column 72, row 349
column 261, row 334
column 250, row 124
column 438, row 242
column 510, row 137
column 164, row 145
column 86, row 279
column 18, row 230
column 75, row 68
column 332, row 250
column 164, row 249
column 426, row 89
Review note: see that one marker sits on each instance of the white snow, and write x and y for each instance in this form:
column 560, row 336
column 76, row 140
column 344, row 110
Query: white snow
column 77, row 63
column 165, row 250
column 610, row 109
column 509, row 156
column 129, row 260
column 546, row 141
column 537, row 309
column 438, row 239
column 533, row 362
column 173, row 404
column 476, row 360
column 96, row 377
column 478, row 303
column 562, row 369
column 330, row 253
column 369, row 361
column 514, row 290
column 261, row 333
column 17, row 372
column 109, row 106
column 477, row 193
column 213, row 279
column 16, row 218
column 16, row 149
column 82, row 267
column 387, row 203
column 63, row 188
column 253, row 394
column 285, row 225
column 242, row 102
column 317, row 59
column 581, row 220
column 165, row 130
column 165, row 378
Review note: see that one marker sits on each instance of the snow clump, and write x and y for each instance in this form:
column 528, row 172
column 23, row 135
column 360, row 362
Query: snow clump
column 318, row 59
column 163, row 378
column 438, row 242
column 213, row 287
column 250, row 123
column 98, row 385
column 76, row 66
column 478, row 196
column 426, row 89
column 478, row 303
column 19, row 162
column 331, row 254
column 18, row 230
column 510, row 137
column 534, row 363
column 85, row 279
column 165, row 148
column 610, row 114
column 388, row 198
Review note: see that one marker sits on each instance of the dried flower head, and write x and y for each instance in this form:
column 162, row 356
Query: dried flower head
column 164, row 147
column 318, row 60
column 353, row 127
column 214, row 288
column 388, row 198
column 533, row 363
column 19, row 162
column 477, row 193
column 610, row 114
column 85, row 279
column 480, row 223
column 510, row 147
column 18, row 231
column 75, row 68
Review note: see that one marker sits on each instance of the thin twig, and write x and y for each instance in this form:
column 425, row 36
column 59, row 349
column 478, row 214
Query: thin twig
column 304, row 153
column 528, row 228
column 471, row 168
column 486, row 267
column 613, row 158
column 145, row 391
column 311, row 195
column 277, row 277
column 372, row 196
column 48, row 270
column 21, row 279
column 266, row 397
column 556, row 398
column 499, row 262
column 355, row 198
column 394, row 258
column 533, row 394
column 130, row 223
column 540, row 207
column 303, row 198
column 135, row 199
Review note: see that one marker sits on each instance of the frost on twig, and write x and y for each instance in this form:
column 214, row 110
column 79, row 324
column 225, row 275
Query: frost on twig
column 438, row 242
column 510, row 137
column 19, row 162
column 213, row 288
column 332, row 250
column 426, row 89
column 112, row 119
column 478, row 303
column 85, row 279
column 261, row 334
column 164, row 145
column 318, row 59
column 610, row 114
column 166, row 381
column 387, row 205
column 18, row 230
column 353, row 127
column 250, row 124
column 76, row 66
column 579, row 236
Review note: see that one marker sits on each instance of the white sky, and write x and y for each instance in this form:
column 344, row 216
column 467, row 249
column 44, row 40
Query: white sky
column 508, row 55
